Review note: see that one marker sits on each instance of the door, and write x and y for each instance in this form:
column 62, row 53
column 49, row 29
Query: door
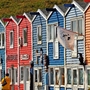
column 26, row 78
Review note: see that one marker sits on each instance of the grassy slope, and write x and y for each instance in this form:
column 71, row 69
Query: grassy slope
column 14, row 7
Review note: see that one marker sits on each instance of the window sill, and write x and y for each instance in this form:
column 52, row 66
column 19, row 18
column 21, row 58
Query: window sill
column 57, row 85
column 50, row 41
column 2, row 47
column 80, row 37
column 39, row 42
column 51, row 85
column 21, row 82
column 16, row 83
column 11, row 46
column 55, row 57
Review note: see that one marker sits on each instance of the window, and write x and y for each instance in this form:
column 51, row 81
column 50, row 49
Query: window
column 22, row 74
column 75, row 77
column 27, row 73
column 57, row 77
column 38, row 76
column 51, row 76
column 11, row 39
column 16, row 75
column 2, row 40
column 62, row 76
column 68, row 76
column 39, row 36
column 81, row 76
column 52, row 32
column 25, row 36
column 88, row 76
column 76, row 25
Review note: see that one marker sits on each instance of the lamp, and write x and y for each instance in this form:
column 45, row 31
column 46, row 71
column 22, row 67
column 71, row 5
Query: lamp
column 69, row 5
column 7, row 19
column 34, row 13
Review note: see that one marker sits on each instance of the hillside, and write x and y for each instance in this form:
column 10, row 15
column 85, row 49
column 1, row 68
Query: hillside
column 14, row 7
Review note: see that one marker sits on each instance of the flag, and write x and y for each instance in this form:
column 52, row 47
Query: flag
column 66, row 38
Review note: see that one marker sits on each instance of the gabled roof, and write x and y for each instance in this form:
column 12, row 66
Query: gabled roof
column 16, row 20
column 29, row 15
column 43, row 13
column 80, row 4
column 60, row 8
column 87, row 7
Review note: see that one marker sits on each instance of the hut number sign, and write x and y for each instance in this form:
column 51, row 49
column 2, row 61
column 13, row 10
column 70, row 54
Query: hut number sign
column 24, row 57
column 11, row 57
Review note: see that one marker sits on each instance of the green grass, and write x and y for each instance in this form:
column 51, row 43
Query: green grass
column 16, row 7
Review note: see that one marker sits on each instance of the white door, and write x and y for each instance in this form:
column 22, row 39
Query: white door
column 26, row 78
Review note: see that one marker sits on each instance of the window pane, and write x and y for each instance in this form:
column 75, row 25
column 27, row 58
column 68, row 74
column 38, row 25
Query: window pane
column 27, row 74
column 35, row 75
column 74, row 77
column 51, row 76
column 62, row 76
column 40, row 75
column 68, row 76
column 50, row 29
column 11, row 38
column 39, row 34
column 80, row 76
column 25, row 35
column 80, row 26
column 88, row 76
column 74, row 26
column 22, row 73
column 2, row 39
column 57, row 77
column 16, row 75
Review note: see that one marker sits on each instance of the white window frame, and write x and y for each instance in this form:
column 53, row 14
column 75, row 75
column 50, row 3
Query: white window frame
column 76, row 19
column 11, row 46
column 25, row 29
column 21, row 81
column 53, row 32
column 15, row 75
column 2, row 46
column 37, row 83
column 40, row 28
column 81, row 86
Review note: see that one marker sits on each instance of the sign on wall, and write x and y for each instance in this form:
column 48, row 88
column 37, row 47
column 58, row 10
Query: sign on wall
column 11, row 57
column 24, row 57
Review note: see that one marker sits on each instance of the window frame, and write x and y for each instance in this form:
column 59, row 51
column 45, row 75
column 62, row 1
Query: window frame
column 38, row 83
column 76, row 19
column 10, row 75
column 15, row 75
column 39, row 26
column 11, row 46
column 53, row 33
column 2, row 46
column 21, row 81
column 25, row 29
column 29, row 74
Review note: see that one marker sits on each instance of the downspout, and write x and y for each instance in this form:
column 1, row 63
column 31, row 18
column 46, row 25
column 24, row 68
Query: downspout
column 18, row 57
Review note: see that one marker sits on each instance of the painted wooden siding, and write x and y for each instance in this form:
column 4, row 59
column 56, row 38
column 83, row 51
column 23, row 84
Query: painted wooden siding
column 25, row 23
column 56, row 17
column 87, row 33
column 62, row 88
column 74, row 12
column 2, row 51
column 11, row 51
column 39, row 20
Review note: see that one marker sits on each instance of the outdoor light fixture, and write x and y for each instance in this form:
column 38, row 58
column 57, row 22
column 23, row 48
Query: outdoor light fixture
column 34, row 13
column 50, row 9
column 7, row 20
column 69, row 5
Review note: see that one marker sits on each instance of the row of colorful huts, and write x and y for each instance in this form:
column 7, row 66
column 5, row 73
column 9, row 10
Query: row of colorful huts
column 33, row 37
